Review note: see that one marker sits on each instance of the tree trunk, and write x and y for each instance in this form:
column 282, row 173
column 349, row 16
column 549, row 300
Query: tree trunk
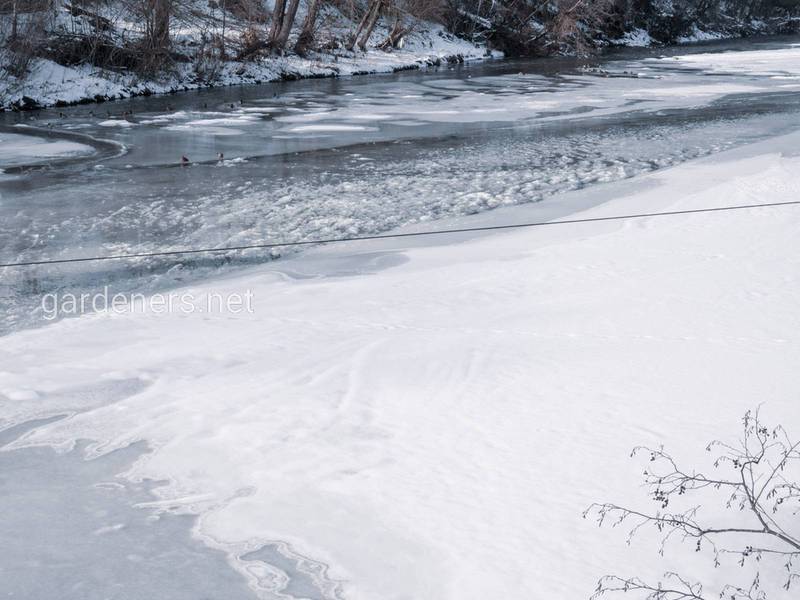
column 307, row 32
column 14, row 23
column 396, row 35
column 277, row 21
column 161, row 10
column 364, row 21
column 224, row 24
column 288, row 21
column 376, row 13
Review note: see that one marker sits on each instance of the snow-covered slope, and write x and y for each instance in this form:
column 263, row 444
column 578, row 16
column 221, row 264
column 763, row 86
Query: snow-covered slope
column 48, row 83
column 431, row 418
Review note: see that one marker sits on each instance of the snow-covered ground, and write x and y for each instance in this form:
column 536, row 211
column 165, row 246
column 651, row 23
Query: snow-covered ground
column 641, row 38
column 49, row 83
column 779, row 63
column 699, row 35
column 636, row 38
column 428, row 419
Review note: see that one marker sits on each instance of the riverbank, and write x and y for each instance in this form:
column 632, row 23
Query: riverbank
column 49, row 84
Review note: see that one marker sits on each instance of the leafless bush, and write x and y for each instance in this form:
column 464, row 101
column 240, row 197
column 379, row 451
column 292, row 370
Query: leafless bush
column 351, row 9
column 405, row 16
column 208, row 60
column 249, row 11
column 577, row 22
column 424, row 10
column 27, row 36
column 758, row 478
column 251, row 43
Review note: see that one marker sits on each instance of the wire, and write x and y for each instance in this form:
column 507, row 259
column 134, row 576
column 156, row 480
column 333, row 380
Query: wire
column 388, row 236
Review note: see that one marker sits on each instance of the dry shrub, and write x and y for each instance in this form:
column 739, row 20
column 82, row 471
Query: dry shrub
column 249, row 11
column 207, row 61
column 25, row 35
column 251, row 43
column 425, row 10
column 577, row 22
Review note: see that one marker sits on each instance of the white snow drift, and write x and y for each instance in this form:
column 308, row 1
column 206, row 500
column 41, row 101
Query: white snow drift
column 430, row 421
column 777, row 63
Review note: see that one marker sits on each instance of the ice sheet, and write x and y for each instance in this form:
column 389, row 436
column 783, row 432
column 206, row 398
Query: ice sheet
column 20, row 149
column 779, row 62
column 433, row 428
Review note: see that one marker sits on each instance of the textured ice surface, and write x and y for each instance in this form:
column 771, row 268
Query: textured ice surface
column 339, row 158
column 777, row 63
column 276, row 569
column 16, row 403
column 359, row 190
column 71, row 530
column 386, row 424
column 434, row 430
column 19, row 149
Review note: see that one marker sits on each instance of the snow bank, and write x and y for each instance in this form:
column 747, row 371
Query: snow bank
column 700, row 35
column 49, row 83
column 777, row 63
column 19, row 149
column 429, row 418
column 637, row 38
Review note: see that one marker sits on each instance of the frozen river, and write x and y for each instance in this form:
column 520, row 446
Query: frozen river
column 330, row 158
column 302, row 161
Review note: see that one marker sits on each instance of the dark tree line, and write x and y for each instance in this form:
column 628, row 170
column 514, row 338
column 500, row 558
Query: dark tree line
column 531, row 27
column 249, row 29
column 99, row 31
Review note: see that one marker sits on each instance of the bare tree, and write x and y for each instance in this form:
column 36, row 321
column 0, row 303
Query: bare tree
column 576, row 22
column 28, row 36
column 286, row 25
column 14, row 22
column 366, row 26
column 306, row 37
column 222, row 49
column 374, row 15
column 396, row 34
column 406, row 15
column 159, row 24
column 277, row 21
column 401, row 27
column 760, row 482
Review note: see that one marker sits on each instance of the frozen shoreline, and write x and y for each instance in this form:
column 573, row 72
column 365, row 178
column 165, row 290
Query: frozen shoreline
column 421, row 394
